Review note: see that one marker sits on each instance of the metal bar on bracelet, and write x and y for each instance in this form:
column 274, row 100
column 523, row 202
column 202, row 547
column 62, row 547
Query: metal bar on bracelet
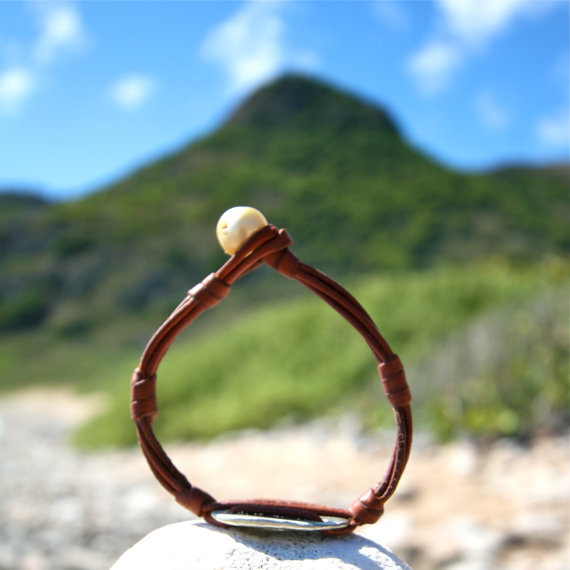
column 274, row 522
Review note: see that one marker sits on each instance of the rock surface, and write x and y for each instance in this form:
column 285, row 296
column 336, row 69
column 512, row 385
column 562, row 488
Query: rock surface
column 459, row 507
column 199, row 546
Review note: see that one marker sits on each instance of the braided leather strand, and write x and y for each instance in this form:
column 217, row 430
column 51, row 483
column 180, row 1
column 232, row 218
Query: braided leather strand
column 270, row 245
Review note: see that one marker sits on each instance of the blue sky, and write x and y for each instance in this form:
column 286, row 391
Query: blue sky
column 90, row 90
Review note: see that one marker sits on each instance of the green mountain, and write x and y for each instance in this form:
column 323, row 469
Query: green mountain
column 330, row 167
column 445, row 260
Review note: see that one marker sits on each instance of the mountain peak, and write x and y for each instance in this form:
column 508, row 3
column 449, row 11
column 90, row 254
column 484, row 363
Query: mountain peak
column 305, row 102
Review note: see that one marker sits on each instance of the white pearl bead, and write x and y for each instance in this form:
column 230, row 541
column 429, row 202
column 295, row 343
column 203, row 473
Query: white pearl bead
column 236, row 225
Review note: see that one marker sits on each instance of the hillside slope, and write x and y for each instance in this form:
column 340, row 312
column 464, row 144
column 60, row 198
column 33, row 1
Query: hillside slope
column 330, row 167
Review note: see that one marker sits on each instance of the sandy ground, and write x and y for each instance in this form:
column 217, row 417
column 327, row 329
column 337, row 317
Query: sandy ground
column 458, row 506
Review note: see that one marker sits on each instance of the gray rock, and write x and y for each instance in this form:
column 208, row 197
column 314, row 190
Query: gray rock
column 198, row 545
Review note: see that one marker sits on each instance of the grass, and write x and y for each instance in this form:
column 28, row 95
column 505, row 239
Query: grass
column 511, row 372
column 298, row 359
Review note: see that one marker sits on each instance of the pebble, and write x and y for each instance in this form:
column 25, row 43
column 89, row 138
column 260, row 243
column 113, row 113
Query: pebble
column 458, row 507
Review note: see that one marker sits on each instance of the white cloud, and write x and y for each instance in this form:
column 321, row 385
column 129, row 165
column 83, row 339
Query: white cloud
column 132, row 91
column 555, row 130
column 249, row 45
column 16, row 85
column 491, row 113
column 62, row 30
column 433, row 65
column 464, row 26
column 478, row 20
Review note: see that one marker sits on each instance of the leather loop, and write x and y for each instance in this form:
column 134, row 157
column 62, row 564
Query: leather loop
column 270, row 245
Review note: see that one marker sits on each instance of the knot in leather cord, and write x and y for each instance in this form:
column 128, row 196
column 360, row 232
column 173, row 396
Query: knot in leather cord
column 210, row 291
column 283, row 261
column 367, row 509
column 194, row 499
column 394, row 382
column 268, row 241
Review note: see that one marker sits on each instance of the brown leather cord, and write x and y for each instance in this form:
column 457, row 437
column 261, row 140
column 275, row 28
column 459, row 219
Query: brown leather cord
column 270, row 245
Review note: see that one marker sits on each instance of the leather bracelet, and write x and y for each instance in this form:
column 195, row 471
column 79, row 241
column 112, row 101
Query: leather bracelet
column 250, row 240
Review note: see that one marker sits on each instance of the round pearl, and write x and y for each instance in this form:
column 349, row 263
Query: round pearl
column 236, row 225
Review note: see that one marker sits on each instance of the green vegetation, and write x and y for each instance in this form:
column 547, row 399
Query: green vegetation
column 353, row 194
column 485, row 349
column 83, row 284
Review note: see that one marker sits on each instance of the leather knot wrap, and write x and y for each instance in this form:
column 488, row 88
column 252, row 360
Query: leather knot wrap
column 261, row 245
column 194, row 499
column 143, row 396
column 210, row 291
column 279, row 242
column 284, row 261
column 394, row 382
column 367, row 509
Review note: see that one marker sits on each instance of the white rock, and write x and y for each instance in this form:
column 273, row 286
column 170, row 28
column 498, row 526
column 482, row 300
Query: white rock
column 198, row 545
